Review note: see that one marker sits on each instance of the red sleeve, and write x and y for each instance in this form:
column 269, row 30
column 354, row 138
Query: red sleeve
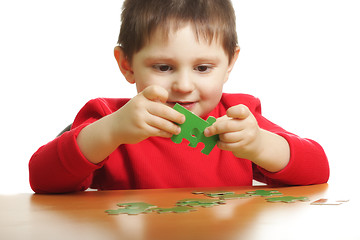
column 308, row 162
column 59, row 166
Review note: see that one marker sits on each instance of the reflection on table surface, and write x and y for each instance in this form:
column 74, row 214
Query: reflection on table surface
column 82, row 216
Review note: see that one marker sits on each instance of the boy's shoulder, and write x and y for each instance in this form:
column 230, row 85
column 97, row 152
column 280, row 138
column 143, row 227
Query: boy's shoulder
column 232, row 99
column 106, row 104
column 99, row 107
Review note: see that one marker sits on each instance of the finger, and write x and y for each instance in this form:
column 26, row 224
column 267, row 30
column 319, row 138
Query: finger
column 241, row 145
column 210, row 131
column 239, row 112
column 231, row 137
column 226, row 126
column 229, row 146
column 163, row 125
column 161, row 133
column 156, row 132
column 155, row 93
column 166, row 112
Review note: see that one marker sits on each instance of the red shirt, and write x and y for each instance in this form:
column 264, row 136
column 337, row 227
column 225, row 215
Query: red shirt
column 59, row 166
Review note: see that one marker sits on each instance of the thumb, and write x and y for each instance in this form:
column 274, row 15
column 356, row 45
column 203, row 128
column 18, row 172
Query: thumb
column 239, row 112
column 156, row 93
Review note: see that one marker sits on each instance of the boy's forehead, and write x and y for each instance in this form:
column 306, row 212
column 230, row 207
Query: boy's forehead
column 182, row 43
column 164, row 34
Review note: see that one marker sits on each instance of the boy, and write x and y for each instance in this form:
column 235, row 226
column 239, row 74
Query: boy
column 175, row 51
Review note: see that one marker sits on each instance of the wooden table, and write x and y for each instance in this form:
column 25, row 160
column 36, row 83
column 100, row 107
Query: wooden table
column 81, row 216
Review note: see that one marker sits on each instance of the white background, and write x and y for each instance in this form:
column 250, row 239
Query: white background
column 301, row 58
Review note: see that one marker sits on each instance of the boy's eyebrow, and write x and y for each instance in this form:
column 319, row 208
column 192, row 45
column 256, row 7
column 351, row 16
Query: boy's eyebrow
column 212, row 59
column 160, row 58
column 151, row 59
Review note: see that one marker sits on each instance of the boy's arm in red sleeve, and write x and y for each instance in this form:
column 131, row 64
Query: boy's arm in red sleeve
column 59, row 166
column 308, row 163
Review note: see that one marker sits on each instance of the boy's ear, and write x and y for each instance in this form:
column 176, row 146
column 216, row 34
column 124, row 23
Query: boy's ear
column 232, row 62
column 234, row 58
column 124, row 65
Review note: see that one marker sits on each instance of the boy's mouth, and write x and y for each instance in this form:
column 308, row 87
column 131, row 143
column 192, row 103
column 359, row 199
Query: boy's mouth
column 187, row 105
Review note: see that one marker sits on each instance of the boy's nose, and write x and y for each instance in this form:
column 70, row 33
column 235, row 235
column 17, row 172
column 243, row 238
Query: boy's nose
column 183, row 83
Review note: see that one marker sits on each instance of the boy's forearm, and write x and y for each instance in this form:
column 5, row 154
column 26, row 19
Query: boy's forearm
column 274, row 152
column 96, row 140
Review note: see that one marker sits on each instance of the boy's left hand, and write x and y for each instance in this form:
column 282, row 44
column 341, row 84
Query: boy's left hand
column 238, row 132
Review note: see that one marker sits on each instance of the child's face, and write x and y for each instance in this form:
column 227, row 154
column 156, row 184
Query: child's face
column 192, row 71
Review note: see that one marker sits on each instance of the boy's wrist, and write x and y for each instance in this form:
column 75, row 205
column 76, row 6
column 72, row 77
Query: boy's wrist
column 270, row 152
column 115, row 129
column 96, row 141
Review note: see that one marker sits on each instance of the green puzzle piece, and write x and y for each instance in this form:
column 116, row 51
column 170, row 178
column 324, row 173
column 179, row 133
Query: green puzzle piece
column 223, row 195
column 213, row 194
column 177, row 209
column 264, row 193
column 197, row 202
column 193, row 130
column 234, row 196
column 287, row 199
column 131, row 208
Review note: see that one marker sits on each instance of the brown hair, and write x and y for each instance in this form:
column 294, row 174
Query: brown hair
column 211, row 19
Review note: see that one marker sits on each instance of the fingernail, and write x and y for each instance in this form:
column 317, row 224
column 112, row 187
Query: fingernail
column 207, row 132
column 178, row 131
column 183, row 119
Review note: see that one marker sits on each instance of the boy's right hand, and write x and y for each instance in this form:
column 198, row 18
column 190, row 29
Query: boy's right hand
column 146, row 115
column 143, row 116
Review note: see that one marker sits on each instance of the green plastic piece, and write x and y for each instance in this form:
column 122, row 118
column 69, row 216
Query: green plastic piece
column 264, row 193
column 287, row 199
column 196, row 202
column 213, row 194
column 177, row 209
column 193, row 130
column 234, row 196
column 131, row 208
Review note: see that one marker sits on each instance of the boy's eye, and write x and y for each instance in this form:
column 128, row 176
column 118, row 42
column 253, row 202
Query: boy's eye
column 162, row 67
column 203, row 68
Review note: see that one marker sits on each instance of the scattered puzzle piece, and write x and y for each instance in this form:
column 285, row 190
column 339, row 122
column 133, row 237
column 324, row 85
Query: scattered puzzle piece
column 197, row 192
column 264, row 193
column 325, row 201
column 187, row 205
column 223, row 195
column 287, row 199
column 197, row 202
column 131, row 208
column 177, row 209
column 193, row 130
column 213, row 194
column 234, row 196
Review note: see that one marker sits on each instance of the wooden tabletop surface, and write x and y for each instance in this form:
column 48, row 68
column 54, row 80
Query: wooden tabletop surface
column 82, row 216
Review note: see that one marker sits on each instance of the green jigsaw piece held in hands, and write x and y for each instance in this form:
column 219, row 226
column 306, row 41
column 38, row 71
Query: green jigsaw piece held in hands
column 193, row 130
